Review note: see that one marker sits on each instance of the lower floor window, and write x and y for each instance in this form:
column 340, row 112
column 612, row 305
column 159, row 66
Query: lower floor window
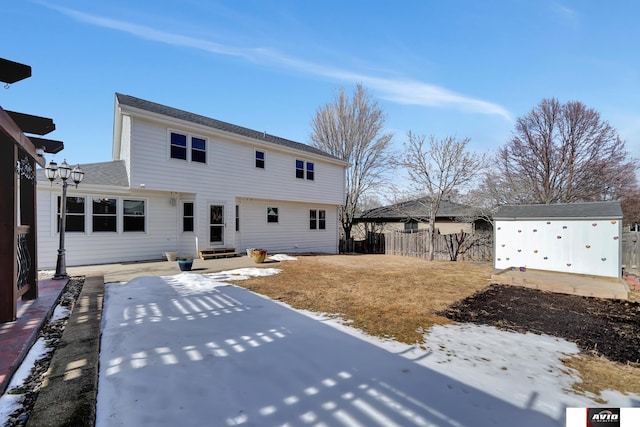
column 272, row 214
column 411, row 226
column 105, row 212
column 74, row 219
column 187, row 216
column 133, row 218
column 317, row 219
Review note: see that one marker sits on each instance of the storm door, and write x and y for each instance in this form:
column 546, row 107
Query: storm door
column 216, row 225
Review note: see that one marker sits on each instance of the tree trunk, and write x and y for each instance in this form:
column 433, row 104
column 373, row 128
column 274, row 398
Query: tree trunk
column 432, row 235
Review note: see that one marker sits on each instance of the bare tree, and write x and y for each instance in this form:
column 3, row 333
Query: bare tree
column 441, row 168
column 630, row 202
column 562, row 153
column 352, row 130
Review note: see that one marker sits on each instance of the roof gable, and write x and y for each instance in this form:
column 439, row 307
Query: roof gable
column 587, row 210
column 175, row 113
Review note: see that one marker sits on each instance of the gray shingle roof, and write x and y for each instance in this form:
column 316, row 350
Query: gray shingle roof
column 105, row 173
column 418, row 208
column 589, row 210
column 153, row 107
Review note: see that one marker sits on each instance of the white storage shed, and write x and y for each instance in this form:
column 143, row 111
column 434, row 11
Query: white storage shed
column 580, row 238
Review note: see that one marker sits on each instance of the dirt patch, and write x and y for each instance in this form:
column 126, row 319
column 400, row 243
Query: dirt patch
column 609, row 328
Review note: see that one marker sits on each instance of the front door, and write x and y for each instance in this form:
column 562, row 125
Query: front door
column 216, row 225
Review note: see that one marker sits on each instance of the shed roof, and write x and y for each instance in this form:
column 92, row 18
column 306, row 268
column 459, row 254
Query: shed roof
column 153, row 107
column 587, row 210
column 104, row 173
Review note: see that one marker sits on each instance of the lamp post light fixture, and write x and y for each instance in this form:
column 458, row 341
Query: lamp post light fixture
column 64, row 171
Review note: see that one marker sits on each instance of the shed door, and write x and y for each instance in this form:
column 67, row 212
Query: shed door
column 216, row 225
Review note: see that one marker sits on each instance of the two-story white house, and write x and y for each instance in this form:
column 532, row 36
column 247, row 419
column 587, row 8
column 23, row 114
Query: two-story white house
column 182, row 182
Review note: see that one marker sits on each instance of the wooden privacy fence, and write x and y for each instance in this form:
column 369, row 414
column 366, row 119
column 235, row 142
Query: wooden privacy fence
column 631, row 252
column 474, row 246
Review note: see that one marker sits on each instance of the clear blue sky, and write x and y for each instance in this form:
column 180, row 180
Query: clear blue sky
column 463, row 68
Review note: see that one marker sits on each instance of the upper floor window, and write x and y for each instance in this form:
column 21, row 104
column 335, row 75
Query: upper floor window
column 198, row 150
column 105, row 212
column 187, row 147
column 310, row 171
column 260, row 159
column 187, row 216
column 178, row 146
column 74, row 219
column 302, row 167
column 133, row 215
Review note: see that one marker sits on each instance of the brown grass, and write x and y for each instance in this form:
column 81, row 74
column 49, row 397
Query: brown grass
column 397, row 297
column 598, row 373
column 383, row 295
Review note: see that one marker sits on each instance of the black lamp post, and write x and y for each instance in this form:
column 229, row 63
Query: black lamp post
column 64, row 171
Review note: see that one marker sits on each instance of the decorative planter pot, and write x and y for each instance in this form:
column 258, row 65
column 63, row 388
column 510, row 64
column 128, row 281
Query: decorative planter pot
column 259, row 255
column 171, row 256
column 185, row 264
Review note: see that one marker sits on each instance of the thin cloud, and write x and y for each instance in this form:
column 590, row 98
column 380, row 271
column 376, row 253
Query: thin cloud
column 409, row 92
column 567, row 15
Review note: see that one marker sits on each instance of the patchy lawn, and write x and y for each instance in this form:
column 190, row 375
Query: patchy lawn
column 385, row 296
column 399, row 297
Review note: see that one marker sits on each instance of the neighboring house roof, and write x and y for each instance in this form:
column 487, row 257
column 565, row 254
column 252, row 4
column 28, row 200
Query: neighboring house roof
column 105, row 173
column 418, row 208
column 164, row 110
column 588, row 210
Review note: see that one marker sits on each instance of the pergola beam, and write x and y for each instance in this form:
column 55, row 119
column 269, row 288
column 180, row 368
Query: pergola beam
column 32, row 124
column 50, row 146
column 11, row 72
column 14, row 133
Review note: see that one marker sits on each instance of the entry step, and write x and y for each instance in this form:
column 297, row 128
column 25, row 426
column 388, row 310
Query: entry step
column 212, row 253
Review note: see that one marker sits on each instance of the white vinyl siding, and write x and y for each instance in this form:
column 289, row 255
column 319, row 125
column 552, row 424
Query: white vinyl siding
column 229, row 178
column 100, row 248
column 292, row 233
column 227, row 164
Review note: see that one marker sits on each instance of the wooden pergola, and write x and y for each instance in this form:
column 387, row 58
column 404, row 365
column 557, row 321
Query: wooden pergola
column 19, row 155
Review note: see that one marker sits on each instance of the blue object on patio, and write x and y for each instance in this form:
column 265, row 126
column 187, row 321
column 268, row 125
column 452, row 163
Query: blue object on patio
column 185, row 264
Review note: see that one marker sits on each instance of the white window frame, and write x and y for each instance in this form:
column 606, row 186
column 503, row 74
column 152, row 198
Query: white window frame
column 183, row 216
column 54, row 226
column 317, row 220
column 278, row 213
column 93, row 214
column 146, row 214
column 264, row 159
column 189, row 147
column 304, row 170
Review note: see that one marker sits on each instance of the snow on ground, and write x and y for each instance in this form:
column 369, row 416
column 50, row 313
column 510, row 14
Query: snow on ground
column 9, row 403
column 232, row 357
column 283, row 257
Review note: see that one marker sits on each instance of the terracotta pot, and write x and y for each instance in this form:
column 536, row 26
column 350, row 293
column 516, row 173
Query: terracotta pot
column 258, row 255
